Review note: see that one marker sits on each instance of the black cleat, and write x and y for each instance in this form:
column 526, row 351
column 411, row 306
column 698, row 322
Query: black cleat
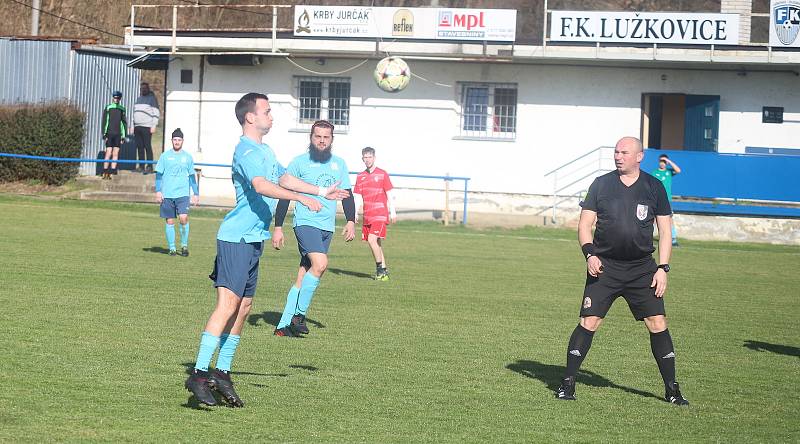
column 185, row 251
column 173, row 253
column 285, row 332
column 198, row 384
column 298, row 324
column 566, row 391
column 672, row 394
column 221, row 382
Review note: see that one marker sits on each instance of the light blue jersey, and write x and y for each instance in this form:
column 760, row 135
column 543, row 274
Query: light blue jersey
column 323, row 175
column 250, row 218
column 175, row 168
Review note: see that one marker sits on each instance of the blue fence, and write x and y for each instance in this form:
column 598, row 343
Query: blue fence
column 121, row 161
column 733, row 176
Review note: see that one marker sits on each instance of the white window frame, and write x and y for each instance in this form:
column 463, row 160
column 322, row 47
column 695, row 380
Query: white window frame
column 302, row 123
column 492, row 129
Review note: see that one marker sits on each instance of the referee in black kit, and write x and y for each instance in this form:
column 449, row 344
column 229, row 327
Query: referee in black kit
column 619, row 262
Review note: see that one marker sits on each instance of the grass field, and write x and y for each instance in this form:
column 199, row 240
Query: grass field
column 465, row 344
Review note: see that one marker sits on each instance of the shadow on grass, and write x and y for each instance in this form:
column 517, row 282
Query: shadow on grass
column 273, row 317
column 357, row 274
column 159, row 250
column 310, row 368
column 551, row 376
column 780, row 349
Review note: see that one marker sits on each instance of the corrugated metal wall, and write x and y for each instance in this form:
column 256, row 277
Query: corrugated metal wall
column 95, row 77
column 33, row 71
column 48, row 71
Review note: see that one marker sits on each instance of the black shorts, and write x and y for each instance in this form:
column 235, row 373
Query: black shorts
column 113, row 140
column 629, row 279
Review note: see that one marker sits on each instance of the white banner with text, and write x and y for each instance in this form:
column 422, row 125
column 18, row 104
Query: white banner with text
column 405, row 23
column 644, row 27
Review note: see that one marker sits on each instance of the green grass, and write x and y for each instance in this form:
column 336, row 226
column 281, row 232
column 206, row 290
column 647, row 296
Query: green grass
column 465, row 344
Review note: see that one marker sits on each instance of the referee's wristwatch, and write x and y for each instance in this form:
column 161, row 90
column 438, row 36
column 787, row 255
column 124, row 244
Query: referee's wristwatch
column 664, row 267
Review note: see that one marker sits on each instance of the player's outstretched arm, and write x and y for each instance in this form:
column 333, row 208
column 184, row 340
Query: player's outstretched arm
column 293, row 183
column 269, row 189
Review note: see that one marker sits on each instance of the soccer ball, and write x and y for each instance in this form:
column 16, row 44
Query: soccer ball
column 392, row 74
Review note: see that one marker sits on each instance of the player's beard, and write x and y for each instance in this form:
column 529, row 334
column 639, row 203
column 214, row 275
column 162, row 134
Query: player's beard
column 320, row 156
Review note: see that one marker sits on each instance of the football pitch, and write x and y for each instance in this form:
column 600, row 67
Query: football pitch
column 465, row 344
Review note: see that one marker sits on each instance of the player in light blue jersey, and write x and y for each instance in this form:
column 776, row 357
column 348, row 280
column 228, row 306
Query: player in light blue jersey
column 175, row 178
column 256, row 174
column 313, row 230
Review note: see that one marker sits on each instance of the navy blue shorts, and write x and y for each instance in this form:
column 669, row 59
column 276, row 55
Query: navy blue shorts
column 171, row 208
column 311, row 240
column 236, row 267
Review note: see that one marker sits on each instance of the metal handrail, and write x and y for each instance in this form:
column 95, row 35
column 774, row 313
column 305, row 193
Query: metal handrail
column 576, row 159
column 571, row 176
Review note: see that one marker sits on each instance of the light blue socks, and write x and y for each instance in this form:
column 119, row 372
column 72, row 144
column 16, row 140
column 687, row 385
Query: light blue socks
column 227, row 348
column 170, row 231
column 184, row 235
column 290, row 308
column 208, row 345
column 309, row 286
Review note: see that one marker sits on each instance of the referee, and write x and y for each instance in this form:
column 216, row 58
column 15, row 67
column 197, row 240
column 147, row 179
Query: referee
column 619, row 262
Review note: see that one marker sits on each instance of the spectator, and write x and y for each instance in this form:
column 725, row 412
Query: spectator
column 114, row 130
column 145, row 121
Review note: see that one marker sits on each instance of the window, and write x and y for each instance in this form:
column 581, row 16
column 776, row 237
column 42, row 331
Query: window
column 323, row 98
column 488, row 111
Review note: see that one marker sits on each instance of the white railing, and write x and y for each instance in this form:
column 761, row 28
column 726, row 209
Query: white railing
column 571, row 179
column 239, row 8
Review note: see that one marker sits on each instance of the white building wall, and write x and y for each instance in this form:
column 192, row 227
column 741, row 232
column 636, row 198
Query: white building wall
column 563, row 112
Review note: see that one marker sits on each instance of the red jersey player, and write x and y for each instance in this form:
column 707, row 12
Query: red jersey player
column 375, row 189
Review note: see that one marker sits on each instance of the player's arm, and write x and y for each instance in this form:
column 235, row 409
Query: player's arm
column 675, row 168
column 349, row 207
column 293, row 183
column 195, row 188
column 359, row 201
column 585, row 239
column 280, row 215
column 159, row 184
column 269, row 189
column 664, row 225
column 390, row 203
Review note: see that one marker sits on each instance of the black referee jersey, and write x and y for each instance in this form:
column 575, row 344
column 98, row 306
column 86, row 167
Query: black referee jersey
column 625, row 215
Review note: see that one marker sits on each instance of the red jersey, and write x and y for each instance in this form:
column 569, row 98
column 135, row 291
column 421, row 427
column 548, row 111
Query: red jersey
column 373, row 187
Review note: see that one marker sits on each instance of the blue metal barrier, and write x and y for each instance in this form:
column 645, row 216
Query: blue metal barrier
column 447, row 178
column 707, row 175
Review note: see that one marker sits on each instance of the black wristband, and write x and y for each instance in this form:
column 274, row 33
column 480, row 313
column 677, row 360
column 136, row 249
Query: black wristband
column 588, row 250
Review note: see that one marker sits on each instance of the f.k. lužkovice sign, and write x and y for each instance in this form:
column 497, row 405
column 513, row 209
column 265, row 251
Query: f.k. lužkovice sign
column 644, row 27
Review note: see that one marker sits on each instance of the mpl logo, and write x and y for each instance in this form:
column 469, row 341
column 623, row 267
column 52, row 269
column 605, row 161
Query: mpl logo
column 464, row 21
column 787, row 21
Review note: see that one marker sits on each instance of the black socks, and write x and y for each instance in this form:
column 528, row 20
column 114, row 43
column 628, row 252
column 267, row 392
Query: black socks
column 661, row 344
column 578, row 348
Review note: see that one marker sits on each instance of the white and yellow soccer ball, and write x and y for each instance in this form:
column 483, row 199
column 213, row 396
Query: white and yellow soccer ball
column 392, row 74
